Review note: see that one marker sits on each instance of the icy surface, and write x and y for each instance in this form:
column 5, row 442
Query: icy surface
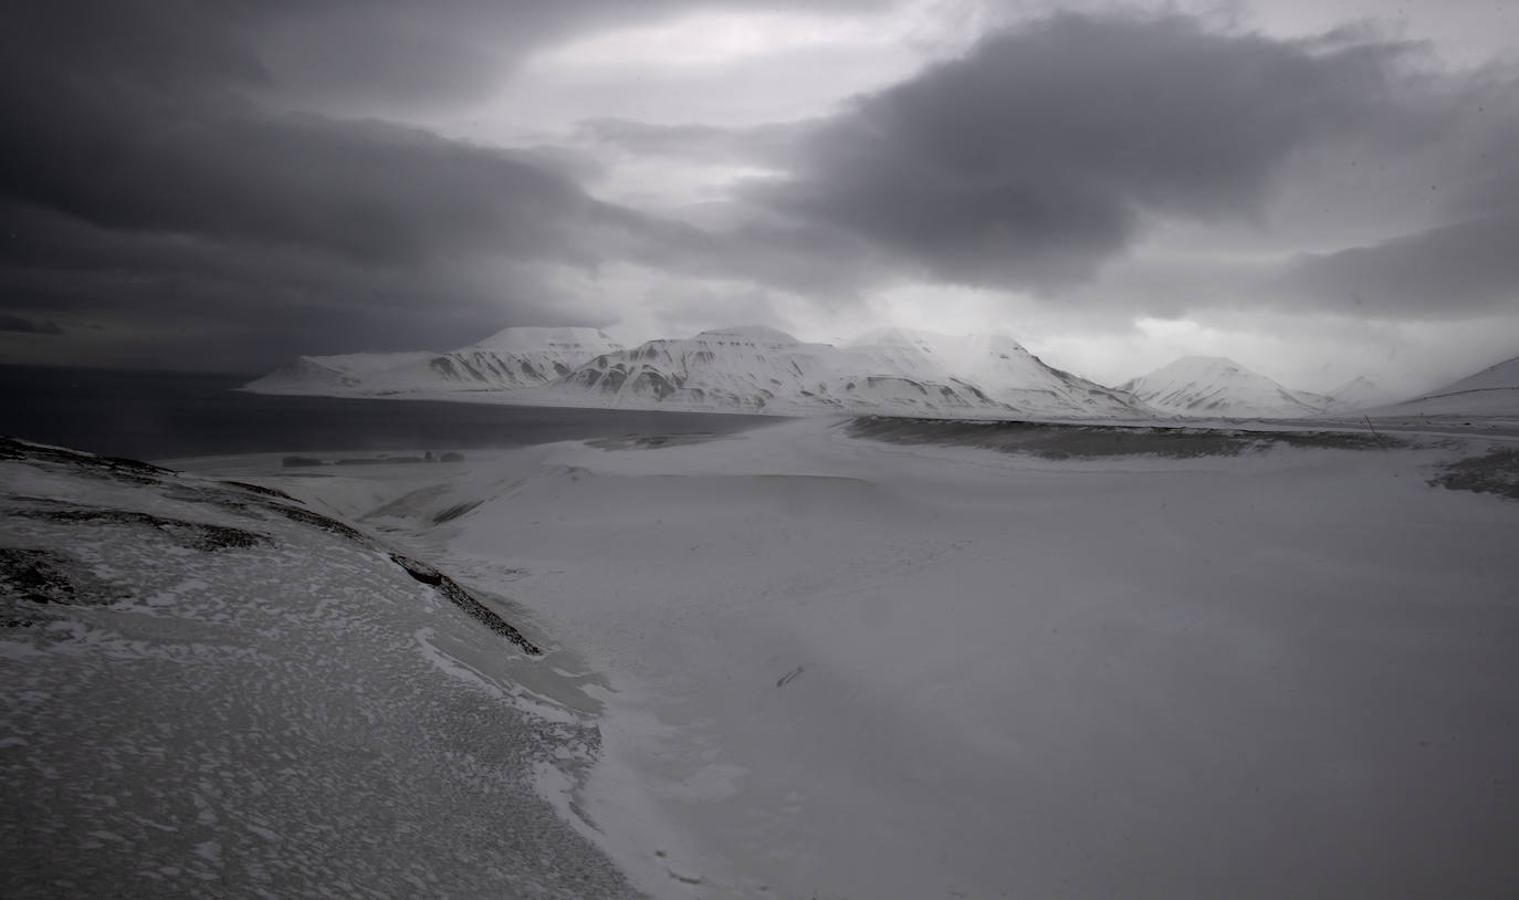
column 210, row 690
column 846, row 668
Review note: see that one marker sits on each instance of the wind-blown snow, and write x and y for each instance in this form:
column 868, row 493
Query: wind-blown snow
column 1215, row 387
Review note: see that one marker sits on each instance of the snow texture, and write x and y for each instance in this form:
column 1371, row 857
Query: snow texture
column 209, row 689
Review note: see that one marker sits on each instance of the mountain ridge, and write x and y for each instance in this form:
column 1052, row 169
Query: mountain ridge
column 1209, row 386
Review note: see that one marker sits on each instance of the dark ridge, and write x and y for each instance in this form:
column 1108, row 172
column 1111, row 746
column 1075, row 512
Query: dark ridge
column 110, row 466
column 39, row 574
column 454, row 512
column 307, row 517
column 461, row 598
column 260, row 489
column 188, row 534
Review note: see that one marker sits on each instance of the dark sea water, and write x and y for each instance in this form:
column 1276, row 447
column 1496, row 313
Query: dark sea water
column 160, row 415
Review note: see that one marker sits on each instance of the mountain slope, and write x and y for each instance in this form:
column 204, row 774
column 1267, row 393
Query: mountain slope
column 757, row 369
column 512, row 358
column 746, row 369
column 1002, row 368
column 1494, row 391
column 1215, row 386
column 1356, row 394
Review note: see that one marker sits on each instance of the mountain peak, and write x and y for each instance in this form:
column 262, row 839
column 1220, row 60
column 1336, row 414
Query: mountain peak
column 1219, row 386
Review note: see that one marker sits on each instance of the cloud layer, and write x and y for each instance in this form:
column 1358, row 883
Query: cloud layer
column 233, row 183
column 1041, row 154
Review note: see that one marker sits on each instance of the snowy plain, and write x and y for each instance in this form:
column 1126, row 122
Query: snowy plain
column 839, row 667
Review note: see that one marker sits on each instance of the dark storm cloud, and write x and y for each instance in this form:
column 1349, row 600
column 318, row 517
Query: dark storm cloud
column 151, row 163
column 221, row 170
column 362, row 190
column 198, row 303
column 1039, row 155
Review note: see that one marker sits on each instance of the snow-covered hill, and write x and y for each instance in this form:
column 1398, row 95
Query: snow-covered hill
column 1494, row 391
column 1212, row 386
column 1356, row 394
column 510, row 359
column 1001, row 367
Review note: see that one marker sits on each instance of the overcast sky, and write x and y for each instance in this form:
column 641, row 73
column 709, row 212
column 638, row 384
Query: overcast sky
column 1317, row 188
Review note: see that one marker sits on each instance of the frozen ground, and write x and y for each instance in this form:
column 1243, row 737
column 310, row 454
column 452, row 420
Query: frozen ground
column 208, row 690
column 846, row 667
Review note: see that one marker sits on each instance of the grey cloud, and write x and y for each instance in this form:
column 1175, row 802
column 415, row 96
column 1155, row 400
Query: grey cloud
column 325, row 53
column 190, row 163
column 1036, row 158
column 213, row 304
column 1467, row 267
column 360, row 189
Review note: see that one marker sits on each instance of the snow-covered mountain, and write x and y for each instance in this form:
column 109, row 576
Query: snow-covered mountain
column 512, row 358
column 752, row 369
column 1001, row 367
column 1356, row 394
column 759, row 369
column 1494, row 391
column 1210, row 386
